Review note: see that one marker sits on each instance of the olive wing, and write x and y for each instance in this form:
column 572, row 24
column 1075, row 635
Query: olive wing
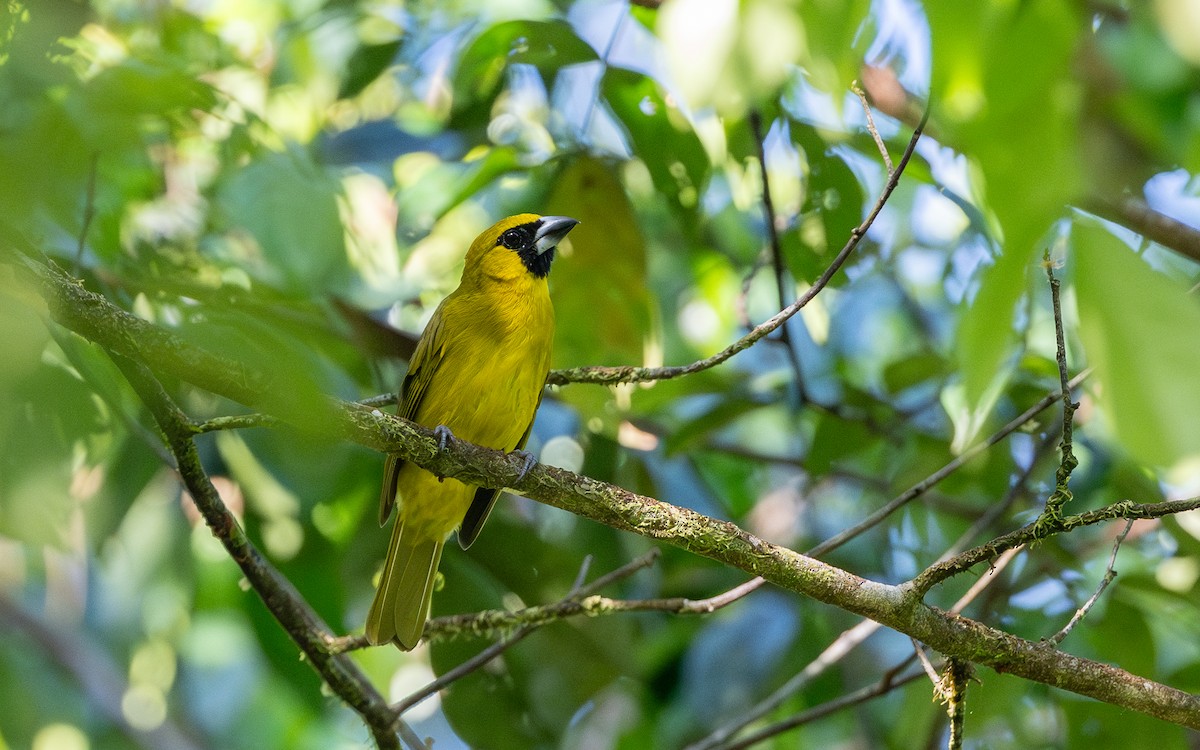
column 426, row 360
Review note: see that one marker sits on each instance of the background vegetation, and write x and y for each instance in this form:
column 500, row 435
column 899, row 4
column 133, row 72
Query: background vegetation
column 290, row 186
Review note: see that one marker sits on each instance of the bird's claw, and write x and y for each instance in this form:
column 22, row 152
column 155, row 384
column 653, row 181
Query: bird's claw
column 443, row 435
column 528, row 462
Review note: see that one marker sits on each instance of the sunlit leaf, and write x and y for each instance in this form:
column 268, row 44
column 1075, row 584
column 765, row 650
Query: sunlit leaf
column 290, row 207
column 1139, row 330
column 987, row 85
column 833, row 194
column 603, row 269
column 660, row 133
column 365, row 65
column 548, row 45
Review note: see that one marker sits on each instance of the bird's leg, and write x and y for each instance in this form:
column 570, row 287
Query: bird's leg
column 529, row 462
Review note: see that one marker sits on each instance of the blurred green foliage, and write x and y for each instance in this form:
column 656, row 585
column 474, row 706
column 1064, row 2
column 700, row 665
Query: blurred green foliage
column 274, row 179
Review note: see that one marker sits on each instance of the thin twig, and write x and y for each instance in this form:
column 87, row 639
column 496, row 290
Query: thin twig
column 1062, row 476
column 581, row 576
column 89, row 211
column 1034, row 531
column 835, row 652
column 1109, row 574
column 740, row 305
column 488, row 622
column 620, row 574
column 996, row 510
column 987, row 579
column 952, row 688
column 608, row 48
column 777, row 262
column 247, row 421
column 1137, row 215
column 930, row 670
column 921, row 487
column 492, row 651
column 584, row 602
column 628, row 374
column 866, row 105
column 885, row 685
column 464, row 669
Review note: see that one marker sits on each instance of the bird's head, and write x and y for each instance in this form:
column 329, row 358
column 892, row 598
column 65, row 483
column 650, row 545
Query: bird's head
column 518, row 246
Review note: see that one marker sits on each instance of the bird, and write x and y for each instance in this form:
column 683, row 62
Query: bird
column 477, row 374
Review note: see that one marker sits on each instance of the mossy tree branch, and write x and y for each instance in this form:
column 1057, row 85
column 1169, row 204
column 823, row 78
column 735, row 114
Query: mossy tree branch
column 897, row 607
column 289, row 608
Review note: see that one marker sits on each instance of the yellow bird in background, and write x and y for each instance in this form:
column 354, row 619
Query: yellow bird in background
column 477, row 373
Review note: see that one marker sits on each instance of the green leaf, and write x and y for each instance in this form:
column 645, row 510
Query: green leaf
column 601, row 302
column 1139, row 331
column 289, row 205
column 660, row 134
column 913, row 371
column 834, row 29
column 548, row 45
column 986, row 84
column 365, row 65
column 985, row 336
column 833, row 193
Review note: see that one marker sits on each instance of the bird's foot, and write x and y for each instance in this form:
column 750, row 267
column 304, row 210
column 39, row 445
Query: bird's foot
column 444, row 436
column 529, row 462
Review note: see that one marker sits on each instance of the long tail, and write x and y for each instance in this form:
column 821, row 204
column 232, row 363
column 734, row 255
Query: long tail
column 401, row 603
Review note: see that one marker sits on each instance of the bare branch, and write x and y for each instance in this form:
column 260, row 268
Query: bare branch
column 866, row 105
column 247, row 421
column 923, row 486
column 494, row 650
column 1062, row 476
column 835, row 652
column 490, row 622
column 300, row 621
column 1109, row 574
column 1137, row 215
column 939, row 572
column 930, row 670
column 629, row 374
column 888, row 683
column 777, row 262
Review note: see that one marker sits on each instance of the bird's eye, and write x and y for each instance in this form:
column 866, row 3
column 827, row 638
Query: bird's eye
column 514, row 239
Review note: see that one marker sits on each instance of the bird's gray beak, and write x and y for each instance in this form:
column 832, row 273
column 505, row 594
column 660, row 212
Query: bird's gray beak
column 551, row 231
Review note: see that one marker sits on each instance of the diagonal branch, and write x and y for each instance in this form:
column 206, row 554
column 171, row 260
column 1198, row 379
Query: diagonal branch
column 1109, row 574
column 303, row 624
column 782, row 284
column 885, row 685
column 490, row 622
column 953, row 465
column 629, row 374
column 897, row 607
